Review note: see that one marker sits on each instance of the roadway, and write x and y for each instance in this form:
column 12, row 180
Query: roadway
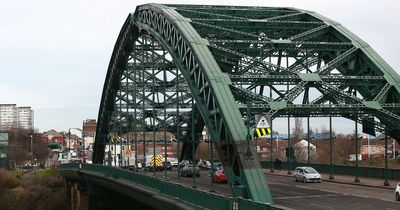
column 297, row 195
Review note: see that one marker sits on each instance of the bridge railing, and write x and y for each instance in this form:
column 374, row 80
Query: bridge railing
column 188, row 194
column 371, row 172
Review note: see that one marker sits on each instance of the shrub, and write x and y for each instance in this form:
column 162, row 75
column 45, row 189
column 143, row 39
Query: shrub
column 41, row 189
column 17, row 173
column 14, row 199
column 49, row 172
column 7, row 181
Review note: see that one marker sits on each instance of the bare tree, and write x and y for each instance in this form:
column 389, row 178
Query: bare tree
column 310, row 132
column 20, row 146
column 324, row 129
column 298, row 131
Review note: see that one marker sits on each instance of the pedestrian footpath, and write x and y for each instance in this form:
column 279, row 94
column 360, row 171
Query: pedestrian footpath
column 345, row 179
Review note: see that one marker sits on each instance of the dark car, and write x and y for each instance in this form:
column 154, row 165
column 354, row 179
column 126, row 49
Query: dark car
column 204, row 164
column 188, row 170
column 167, row 165
column 216, row 166
column 27, row 166
column 184, row 163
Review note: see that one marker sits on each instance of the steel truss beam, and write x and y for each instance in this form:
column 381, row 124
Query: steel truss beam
column 228, row 59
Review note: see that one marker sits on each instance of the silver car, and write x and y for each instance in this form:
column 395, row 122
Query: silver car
column 307, row 174
column 397, row 192
column 188, row 170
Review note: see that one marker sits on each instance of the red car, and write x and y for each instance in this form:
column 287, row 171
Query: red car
column 219, row 176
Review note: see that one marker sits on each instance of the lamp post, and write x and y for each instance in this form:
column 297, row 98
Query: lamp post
column 83, row 140
column 32, row 148
column 394, row 149
column 69, row 144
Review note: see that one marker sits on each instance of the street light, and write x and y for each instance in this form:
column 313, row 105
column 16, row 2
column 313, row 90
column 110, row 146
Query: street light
column 83, row 140
column 32, row 149
column 69, row 144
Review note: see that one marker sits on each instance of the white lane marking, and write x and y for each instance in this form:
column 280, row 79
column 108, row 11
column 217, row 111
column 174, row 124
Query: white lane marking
column 323, row 206
column 304, row 196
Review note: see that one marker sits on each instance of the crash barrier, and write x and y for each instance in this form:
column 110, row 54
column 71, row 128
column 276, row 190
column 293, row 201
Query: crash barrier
column 371, row 172
column 203, row 199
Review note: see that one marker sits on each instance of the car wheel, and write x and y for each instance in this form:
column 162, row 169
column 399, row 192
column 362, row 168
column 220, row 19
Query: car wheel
column 304, row 179
column 397, row 197
column 296, row 179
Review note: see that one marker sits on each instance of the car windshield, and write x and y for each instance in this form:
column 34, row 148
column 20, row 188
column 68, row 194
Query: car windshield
column 310, row 171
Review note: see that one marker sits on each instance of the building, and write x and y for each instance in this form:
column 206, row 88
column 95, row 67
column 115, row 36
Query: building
column 53, row 136
column 322, row 136
column 12, row 116
column 301, row 150
column 4, row 145
column 89, row 132
column 263, row 148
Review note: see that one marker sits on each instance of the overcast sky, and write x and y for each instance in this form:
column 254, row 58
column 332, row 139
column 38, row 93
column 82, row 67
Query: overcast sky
column 54, row 54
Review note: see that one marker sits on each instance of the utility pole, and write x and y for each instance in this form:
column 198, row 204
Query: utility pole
column 394, row 149
column 83, row 140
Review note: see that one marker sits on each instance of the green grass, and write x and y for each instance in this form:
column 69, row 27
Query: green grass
column 49, row 172
column 17, row 173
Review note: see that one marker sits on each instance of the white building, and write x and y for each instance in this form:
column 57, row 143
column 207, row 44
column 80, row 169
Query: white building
column 12, row 116
column 301, row 150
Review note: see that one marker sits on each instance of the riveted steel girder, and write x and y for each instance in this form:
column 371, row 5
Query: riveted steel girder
column 230, row 60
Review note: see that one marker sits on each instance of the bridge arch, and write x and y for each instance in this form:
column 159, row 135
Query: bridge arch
column 224, row 60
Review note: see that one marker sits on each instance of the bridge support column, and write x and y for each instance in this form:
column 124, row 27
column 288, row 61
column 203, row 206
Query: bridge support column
column 386, row 182
column 77, row 197
column 356, row 179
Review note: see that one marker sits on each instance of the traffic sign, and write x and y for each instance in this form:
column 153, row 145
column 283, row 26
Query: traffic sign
column 263, row 121
column 262, row 126
column 262, row 132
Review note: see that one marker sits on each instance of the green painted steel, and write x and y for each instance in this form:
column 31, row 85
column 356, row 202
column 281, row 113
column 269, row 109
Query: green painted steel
column 244, row 204
column 227, row 58
column 196, row 198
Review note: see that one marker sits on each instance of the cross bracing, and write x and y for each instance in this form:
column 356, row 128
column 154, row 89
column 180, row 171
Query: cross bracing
column 186, row 67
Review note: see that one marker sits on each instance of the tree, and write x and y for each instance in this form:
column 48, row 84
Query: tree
column 20, row 146
column 298, row 131
column 324, row 129
column 311, row 132
column 41, row 151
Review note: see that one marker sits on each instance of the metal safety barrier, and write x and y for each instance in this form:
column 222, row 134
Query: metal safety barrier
column 203, row 199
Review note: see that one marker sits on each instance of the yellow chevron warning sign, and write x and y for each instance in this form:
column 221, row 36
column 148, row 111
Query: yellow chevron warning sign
column 156, row 161
column 262, row 132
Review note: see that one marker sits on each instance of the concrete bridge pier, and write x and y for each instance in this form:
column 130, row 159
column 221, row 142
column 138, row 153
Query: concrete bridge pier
column 77, row 196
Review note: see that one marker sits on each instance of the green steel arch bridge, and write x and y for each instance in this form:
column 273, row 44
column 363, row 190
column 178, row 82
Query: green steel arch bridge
column 183, row 68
